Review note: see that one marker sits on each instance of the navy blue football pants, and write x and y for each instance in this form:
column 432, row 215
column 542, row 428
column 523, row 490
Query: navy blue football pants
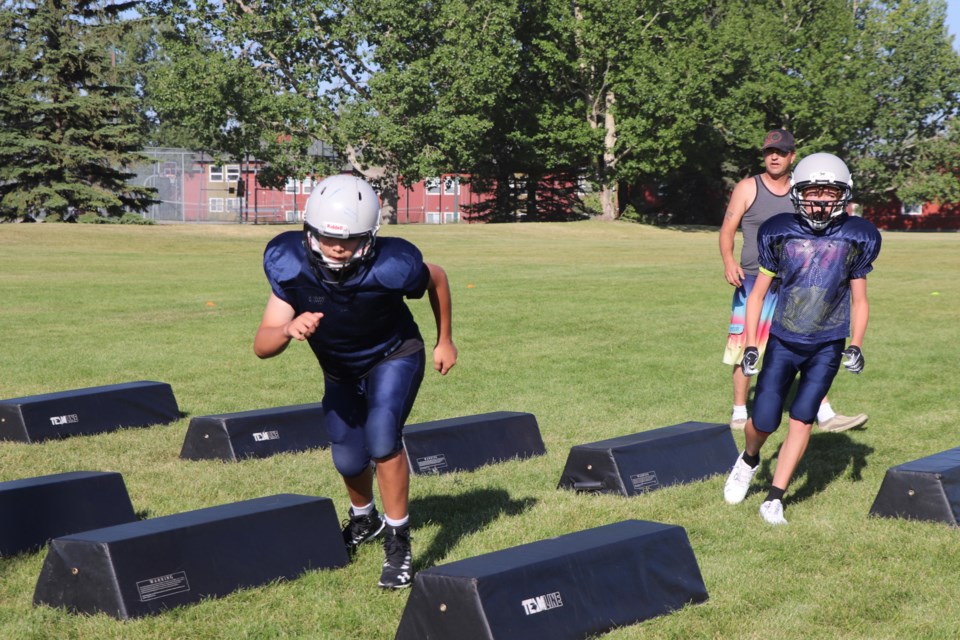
column 364, row 418
column 817, row 365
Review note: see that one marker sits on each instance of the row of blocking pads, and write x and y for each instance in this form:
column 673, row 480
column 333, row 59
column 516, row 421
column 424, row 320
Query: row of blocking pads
column 102, row 559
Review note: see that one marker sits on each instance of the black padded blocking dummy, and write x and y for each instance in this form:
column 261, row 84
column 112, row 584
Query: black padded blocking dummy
column 255, row 434
column 572, row 586
column 145, row 567
column 34, row 510
column 85, row 411
column 467, row 443
column 641, row 462
column 924, row 489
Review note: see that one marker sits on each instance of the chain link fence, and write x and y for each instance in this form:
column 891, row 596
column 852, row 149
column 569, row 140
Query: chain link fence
column 191, row 188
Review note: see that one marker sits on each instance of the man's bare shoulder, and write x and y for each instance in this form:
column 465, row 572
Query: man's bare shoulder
column 744, row 193
column 747, row 186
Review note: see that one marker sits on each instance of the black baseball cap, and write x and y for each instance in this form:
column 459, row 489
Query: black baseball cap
column 779, row 139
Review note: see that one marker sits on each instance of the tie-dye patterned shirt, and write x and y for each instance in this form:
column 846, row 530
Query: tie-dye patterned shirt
column 815, row 269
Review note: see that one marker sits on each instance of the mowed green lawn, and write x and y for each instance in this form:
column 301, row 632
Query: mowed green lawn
column 600, row 330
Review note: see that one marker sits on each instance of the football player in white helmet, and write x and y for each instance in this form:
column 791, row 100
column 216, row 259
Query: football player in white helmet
column 822, row 257
column 332, row 290
column 340, row 225
column 754, row 200
column 821, row 188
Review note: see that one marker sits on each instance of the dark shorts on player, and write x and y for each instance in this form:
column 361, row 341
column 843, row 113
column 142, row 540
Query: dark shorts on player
column 817, row 365
column 364, row 418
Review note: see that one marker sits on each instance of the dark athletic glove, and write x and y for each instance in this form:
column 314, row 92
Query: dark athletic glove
column 853, row 359
column 751, row 358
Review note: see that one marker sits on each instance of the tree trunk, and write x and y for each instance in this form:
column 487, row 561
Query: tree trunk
column 609, row 201
column 389, row 201
column 531, row 204
column 385, row 181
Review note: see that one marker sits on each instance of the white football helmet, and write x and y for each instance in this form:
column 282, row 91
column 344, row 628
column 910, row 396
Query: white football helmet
column 827, row 170
column 341, row 206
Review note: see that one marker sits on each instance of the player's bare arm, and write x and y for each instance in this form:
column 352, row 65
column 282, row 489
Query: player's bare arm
column 279, row 325
column 859, row 311
column 755, row 307
column 445, row 353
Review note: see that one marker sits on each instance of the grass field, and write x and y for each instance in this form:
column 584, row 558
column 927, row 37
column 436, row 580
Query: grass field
column 599, row 330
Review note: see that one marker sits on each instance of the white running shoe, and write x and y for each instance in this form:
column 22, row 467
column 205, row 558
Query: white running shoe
column 841, row 423
column 735, row 489
column 772, row 512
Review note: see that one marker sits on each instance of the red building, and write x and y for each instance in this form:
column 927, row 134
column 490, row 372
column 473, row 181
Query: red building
column 930, row 216
column 440, row 200
column 193, row 187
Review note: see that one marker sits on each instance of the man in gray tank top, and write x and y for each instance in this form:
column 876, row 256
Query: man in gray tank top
column 753, row 201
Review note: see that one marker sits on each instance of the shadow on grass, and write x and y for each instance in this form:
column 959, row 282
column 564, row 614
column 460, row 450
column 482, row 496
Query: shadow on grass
column 827, row 458
column 459, row 516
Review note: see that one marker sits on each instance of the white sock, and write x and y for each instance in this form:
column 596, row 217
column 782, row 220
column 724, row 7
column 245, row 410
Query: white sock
column 396, row 523
column 825, row 412
column 362, row 511
column 739, row 412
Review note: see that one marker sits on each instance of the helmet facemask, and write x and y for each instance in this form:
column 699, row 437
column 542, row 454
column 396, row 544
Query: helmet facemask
column 333, row 270
column 819, row 214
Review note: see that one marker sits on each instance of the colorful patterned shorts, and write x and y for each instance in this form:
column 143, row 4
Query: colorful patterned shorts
column 737, row 335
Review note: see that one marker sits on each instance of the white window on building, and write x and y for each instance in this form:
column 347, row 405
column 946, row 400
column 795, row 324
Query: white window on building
column 306, row 186
column 915, row 209
column 216, row 174
column 233, row 172
column 450, row 217
column 215, row 205
column 233, row 204
column 431, row 217
column 292, row 186
column 451, row 185
column 432, row 186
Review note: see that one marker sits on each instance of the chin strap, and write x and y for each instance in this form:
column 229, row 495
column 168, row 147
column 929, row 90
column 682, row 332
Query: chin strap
column 335, row 273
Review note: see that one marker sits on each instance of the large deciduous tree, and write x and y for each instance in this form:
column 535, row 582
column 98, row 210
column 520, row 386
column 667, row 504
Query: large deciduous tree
column 638, row 73
column 673, row 94
column 872, row 81
column 383, row 81
column 912, row 94
column 70, row 122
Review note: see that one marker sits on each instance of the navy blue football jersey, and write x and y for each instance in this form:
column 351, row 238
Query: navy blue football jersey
column 365, row 318
column 815, row 269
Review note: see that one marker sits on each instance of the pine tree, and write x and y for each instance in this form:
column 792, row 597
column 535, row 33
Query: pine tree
column 69, row 126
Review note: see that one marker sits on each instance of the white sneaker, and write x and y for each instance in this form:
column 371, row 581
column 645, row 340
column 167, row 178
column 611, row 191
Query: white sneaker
column 772, row 512
column 841, row 423
column 735, row 489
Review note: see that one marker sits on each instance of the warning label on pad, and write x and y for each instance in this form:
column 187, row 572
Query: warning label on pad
column 436, row 462
column 163, row 586
column 643, row 482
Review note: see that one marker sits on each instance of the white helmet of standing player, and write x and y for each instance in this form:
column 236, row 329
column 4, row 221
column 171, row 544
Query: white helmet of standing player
column 341, row 206
column 821, row 169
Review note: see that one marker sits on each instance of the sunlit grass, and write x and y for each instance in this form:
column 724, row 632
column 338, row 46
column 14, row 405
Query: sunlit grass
column 598, row 329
